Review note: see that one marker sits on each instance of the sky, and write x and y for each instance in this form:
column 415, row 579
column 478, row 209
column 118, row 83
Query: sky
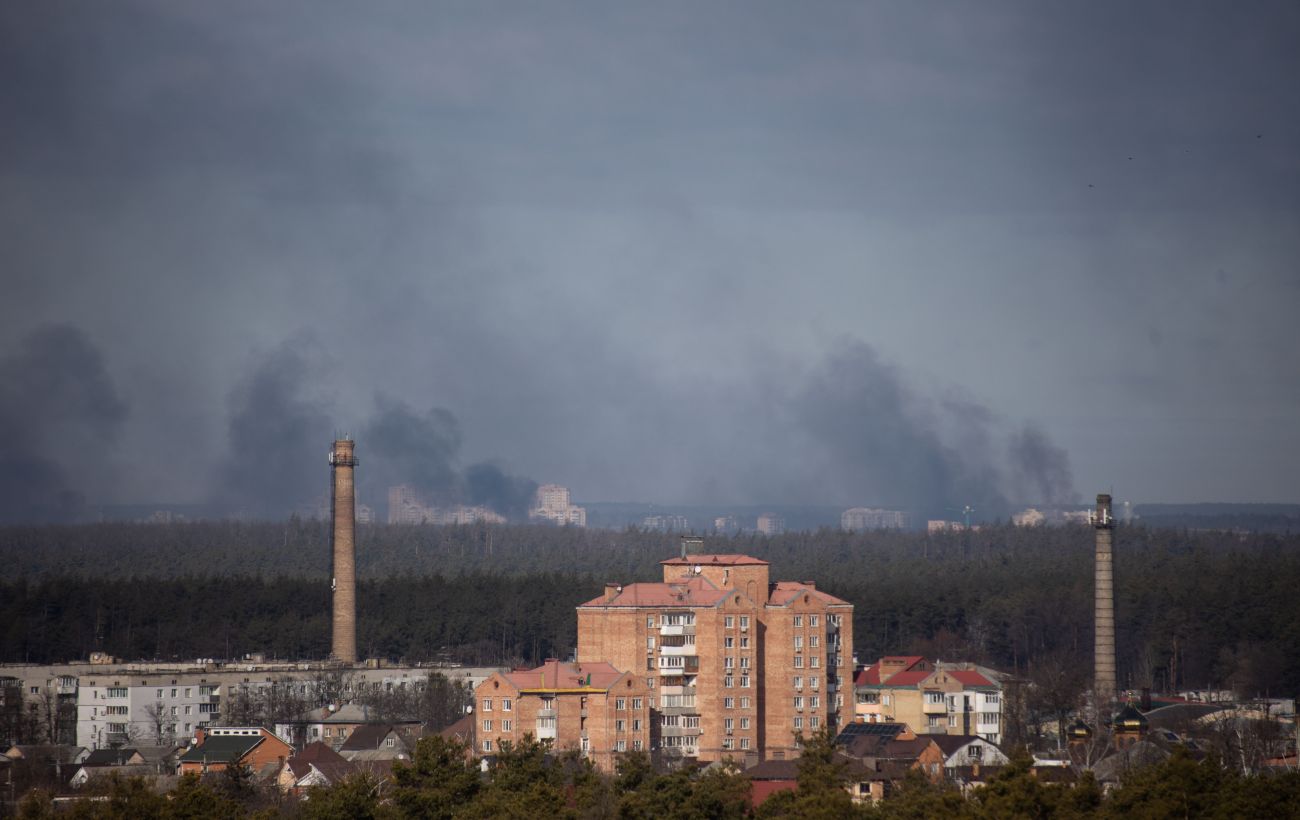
column 882, row 254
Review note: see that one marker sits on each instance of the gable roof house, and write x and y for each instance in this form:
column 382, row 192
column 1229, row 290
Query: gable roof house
column 219, row 747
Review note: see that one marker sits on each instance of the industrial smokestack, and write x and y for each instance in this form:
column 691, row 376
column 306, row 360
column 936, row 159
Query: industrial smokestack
column 1104, row 637
column 343, row 536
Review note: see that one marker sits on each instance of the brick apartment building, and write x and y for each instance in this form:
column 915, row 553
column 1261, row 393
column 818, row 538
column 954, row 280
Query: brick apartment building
column 734, row 665
column 591, row 706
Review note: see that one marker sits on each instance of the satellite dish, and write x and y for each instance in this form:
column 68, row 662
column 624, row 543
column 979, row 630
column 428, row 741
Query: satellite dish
column 697, row 569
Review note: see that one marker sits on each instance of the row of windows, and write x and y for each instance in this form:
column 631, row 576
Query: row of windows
column 505, row 725
column 730, row 682
column 729, row 662
column 813, row 641
column 730, row 621
column 729, row 642
column 813, row 682
column 814, row 722
column 619, row 745
column 730, row 703
column 506, row 704
column 814, row 702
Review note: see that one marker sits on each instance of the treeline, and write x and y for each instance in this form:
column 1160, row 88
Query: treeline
column 475, row 619
column 1194, row 609
column 528, row 781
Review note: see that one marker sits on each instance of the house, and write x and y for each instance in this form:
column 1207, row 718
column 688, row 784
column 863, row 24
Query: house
column 864, row 784
column 316, row 765
column 335, row 726
column 219, row 747
column 377, row 741
column 892, row 749
column 932, row 698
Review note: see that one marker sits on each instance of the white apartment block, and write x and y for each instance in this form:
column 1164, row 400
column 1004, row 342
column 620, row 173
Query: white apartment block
column 552, row 504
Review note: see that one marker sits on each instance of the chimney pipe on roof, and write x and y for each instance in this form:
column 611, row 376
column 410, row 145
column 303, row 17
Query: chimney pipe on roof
column 691, row 544
column 612, row 591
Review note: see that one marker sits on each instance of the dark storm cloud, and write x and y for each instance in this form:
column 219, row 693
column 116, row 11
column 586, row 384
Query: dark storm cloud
column 59, row 411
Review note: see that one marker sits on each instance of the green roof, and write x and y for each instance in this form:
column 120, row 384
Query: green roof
column 221, row 749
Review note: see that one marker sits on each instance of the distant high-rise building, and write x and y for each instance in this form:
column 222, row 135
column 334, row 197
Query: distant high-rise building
column 665, row 523
column 858, row 519
column 726, row 525
column 770, row 524
column 552, row 504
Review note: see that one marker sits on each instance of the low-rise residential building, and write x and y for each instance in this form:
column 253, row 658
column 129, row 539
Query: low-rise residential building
column 219, row 747
column 862, row 519
column 334, row 726
column 939, row 699
column 593, row 707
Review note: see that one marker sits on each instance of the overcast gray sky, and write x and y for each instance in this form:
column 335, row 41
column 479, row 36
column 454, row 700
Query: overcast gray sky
column 849, row 253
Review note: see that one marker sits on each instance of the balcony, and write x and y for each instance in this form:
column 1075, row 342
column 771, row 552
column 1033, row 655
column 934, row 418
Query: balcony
column 545, row 732
column 934, row 708
column 677, row 651
column 546, row 713
column 679, row 731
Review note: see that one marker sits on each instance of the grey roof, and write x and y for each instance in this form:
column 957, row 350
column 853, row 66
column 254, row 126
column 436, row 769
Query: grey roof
column 221, row 749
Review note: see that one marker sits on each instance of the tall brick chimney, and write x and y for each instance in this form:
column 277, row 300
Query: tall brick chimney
column 343, row 519
column 1104, row 624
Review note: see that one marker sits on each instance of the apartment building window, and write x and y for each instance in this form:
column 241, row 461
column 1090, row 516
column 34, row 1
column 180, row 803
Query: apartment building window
column 991, row 697
column 798, row 661
column 327, row 731
column 744, row 641
column 173, row 712
column 884, row 700
column 814, row 702
column 814, row 640
column 729, row 682
column 729, row 724
column 744, row 681
column 728, row 642
column 744, row 622
column 649, row 642
column 173, row 693
column 744, row 703
column 505, row 725
column 669, row 720
column 988, row 717
column 815, row 662
column 636, row 724
column 187, row 710
column 798, row 682
column 487, row 704
column 812, row 681
column 620, row 745
column 814, row 722
column 744, row 743
column 649, row 683
column 839, row 701
column 729, row 662
column 636, row 703
column 620, row 725
column 728, row 703
column 487, row 725
column 934, row 698
column 936, row 721
column 649, row 622
column 744, row 661
column 113, row 691
column 506, row 704
column 690, row 721
column 187, row 693
column 727, row 743
column 798, row 724
column 487, row 745
column 812, row 620
column 744, row 723
column 160, row 694
column 798, row 702
column 798, row 620
column 620, row 704
column 730, row 621
column 952, row 721
column 649, row 664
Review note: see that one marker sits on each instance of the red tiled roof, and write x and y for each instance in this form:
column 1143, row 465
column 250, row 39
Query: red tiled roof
column 908, row 677
column 558, row 675
column 719, row 560
column 783, row 592
column 868, row 676
column 695, row 592
column 968, row 677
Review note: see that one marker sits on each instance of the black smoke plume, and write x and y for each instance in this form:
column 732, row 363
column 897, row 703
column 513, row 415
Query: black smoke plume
column 1040, row 470
column 59, row 410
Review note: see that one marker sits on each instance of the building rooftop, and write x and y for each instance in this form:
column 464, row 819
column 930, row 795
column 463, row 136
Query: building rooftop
column 558, row 675
column 221, row 749
column 969, row 677
column 715, row 560
column 695, row 592
column 785, row 592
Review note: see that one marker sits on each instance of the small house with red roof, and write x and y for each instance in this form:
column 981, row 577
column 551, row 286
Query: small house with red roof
column 933, row 698
column 591, row 707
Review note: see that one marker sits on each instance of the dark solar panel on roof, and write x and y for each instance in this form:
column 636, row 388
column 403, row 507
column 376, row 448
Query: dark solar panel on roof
column 853, row 730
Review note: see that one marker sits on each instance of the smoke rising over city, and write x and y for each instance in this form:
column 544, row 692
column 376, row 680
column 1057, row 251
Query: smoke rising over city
column 742, row 254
